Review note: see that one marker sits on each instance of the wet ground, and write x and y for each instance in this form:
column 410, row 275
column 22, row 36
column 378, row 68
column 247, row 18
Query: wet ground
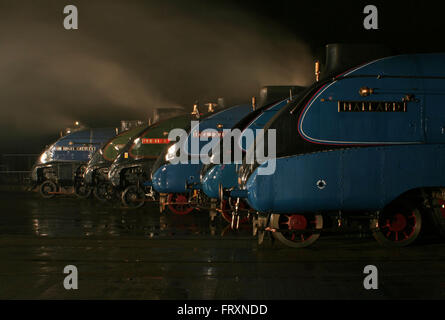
column 141, row 254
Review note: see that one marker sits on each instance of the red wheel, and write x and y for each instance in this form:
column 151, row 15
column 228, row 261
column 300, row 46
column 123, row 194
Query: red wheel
column 226, row 211
column 397, row 226
column 178, row 204
column 296, row 222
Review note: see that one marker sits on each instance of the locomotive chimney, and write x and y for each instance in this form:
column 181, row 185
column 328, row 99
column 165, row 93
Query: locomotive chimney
column 270, row 94
column 340, row 57
column 221, row 102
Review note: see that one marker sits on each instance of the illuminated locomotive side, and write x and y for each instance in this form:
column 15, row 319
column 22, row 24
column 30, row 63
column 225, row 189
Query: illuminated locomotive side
column 370, row 140
column 61, row 164
column 177, row 183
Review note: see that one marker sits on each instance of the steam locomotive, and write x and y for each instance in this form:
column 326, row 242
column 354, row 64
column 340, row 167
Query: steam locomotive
column 60, row 166
column 218, row 179
column 362, row 147
column 131, row 168
column 96, row 171
column 178, row 183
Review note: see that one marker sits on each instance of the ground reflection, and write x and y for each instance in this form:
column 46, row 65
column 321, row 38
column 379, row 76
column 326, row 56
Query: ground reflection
column 142, row 254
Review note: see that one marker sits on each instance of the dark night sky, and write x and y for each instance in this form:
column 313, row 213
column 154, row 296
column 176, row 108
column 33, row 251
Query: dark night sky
column 130, row 56
column 410, row 26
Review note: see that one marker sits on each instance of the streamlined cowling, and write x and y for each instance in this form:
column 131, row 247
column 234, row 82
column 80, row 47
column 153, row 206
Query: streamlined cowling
column 175, row 181
column 370, row 140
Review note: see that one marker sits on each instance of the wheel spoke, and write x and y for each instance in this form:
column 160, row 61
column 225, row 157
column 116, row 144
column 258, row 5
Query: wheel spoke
column 297, row 222
column 398, row 225
column 297, row 230
column 178, row 204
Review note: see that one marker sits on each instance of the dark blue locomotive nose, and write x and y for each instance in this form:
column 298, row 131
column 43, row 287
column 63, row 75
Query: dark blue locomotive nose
column 77, row 146
column 60, row 165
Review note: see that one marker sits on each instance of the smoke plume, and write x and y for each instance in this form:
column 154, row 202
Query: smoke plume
column 128, row 57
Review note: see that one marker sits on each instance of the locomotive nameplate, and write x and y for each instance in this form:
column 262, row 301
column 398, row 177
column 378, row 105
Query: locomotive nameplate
column 155, row 141
column 208, row 134
column 72, row 148
column 372, row 106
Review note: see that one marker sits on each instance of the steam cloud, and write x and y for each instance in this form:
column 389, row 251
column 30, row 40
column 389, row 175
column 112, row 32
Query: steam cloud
column 128, row 57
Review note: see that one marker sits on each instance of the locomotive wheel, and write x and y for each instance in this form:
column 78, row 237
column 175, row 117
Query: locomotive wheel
column 397, row 226
column 295, row 222
column 133, row 197
column 226, row 211
column 438, row 215
column 103, row 192
column 82, row 191
column 46, row 188
column 178, row 204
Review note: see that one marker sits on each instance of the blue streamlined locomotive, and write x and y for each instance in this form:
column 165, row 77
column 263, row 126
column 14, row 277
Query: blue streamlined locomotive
column 61, row 164
column 216, row 179
column 176, row 182
column 368, row 144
